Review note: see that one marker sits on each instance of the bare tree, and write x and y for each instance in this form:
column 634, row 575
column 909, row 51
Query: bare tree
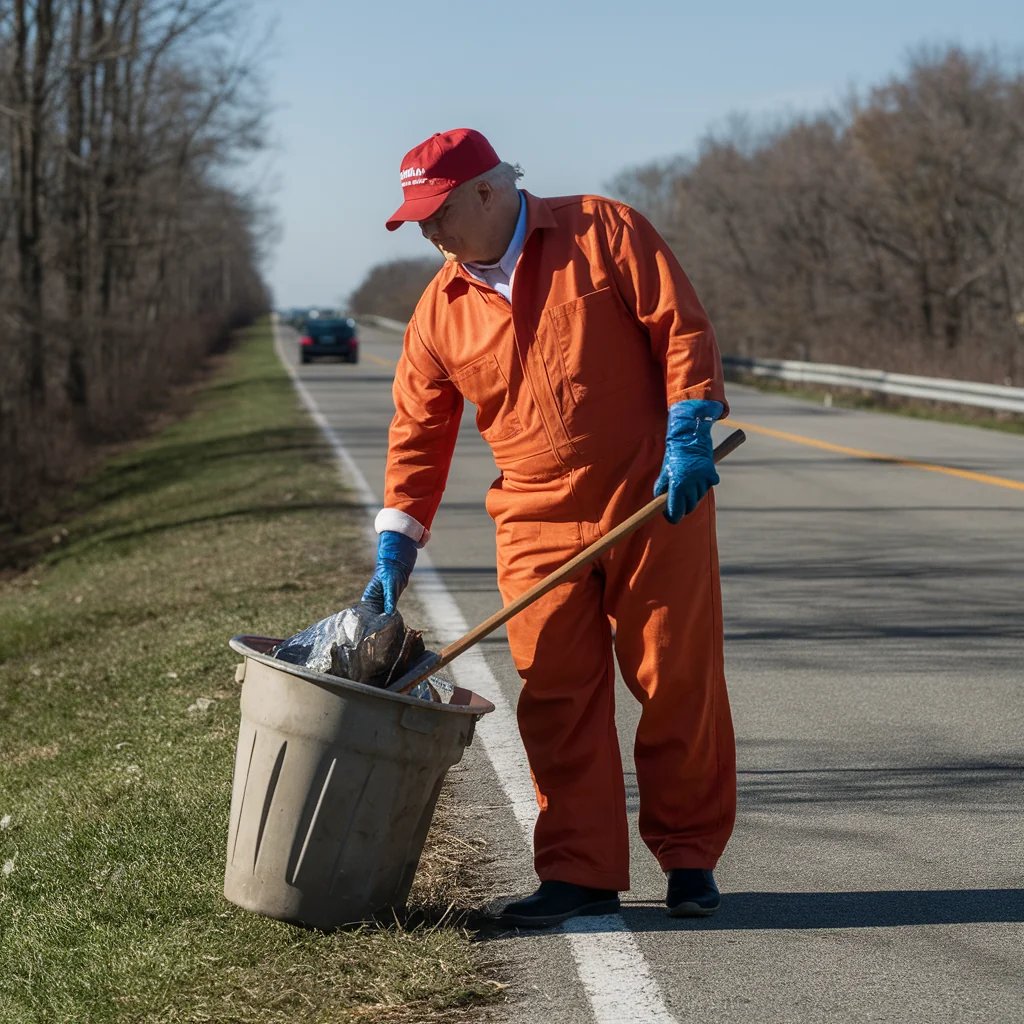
column 118, row 121
column 393, row 289
column 886, row 232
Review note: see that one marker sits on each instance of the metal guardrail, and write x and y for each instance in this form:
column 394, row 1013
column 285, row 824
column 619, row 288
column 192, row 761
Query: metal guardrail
column 937, row 389
column 384, row 322
column 997, row 397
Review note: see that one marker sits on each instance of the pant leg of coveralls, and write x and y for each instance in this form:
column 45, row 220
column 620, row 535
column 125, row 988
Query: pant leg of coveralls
column 663, row 593
column 660, row 589
column 562, row 648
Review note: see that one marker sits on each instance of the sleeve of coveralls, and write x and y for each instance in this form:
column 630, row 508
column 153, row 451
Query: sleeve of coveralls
column 422, row 436
column 654, row 284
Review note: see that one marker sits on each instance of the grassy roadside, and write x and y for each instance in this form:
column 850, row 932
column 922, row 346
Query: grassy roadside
column 118, row 718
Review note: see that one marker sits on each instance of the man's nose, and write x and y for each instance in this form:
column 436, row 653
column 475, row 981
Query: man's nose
column 428, row 227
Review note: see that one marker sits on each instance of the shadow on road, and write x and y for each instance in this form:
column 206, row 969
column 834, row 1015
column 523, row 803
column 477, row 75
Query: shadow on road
column 769, row 911
column 746, row 911
column 777, row 911
column 881, row 909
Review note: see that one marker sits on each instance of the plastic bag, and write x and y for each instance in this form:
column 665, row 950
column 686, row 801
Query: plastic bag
column 366, row 646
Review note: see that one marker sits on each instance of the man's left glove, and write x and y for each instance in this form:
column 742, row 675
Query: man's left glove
column 688, row 469
column 396, row 556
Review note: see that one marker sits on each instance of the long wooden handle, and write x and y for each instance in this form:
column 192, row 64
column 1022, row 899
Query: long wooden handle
column 587, row 555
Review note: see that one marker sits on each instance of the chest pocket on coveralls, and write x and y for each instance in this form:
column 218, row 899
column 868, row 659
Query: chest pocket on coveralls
column 482, row 383
column 596, row 339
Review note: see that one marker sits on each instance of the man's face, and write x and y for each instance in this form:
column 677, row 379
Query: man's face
column 460, row 228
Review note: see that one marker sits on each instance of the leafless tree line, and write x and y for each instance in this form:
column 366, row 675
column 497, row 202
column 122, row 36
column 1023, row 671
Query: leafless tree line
column 125, row 252
column 885, row 234
column 393, row 289
column 888, row 233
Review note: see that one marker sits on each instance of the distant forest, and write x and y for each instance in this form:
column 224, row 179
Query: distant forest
column 886, row 233
column 125, row 257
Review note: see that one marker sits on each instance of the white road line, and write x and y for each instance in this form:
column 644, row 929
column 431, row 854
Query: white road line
column 612, row 969
column 614, row 973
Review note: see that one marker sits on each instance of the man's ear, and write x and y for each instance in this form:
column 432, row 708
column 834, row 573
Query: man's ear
column 485, row 194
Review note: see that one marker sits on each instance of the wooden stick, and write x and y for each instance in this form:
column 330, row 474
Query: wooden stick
column 560, row 575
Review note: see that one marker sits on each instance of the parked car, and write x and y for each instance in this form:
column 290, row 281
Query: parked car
column 329, row 337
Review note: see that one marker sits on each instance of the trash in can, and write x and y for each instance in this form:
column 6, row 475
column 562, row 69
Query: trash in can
column 366, row 646
column 335, row 784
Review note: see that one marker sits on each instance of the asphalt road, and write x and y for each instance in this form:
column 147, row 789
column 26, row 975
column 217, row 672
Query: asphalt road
column 874, row 610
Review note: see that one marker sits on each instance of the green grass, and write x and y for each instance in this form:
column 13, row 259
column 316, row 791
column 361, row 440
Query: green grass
column 116, row 783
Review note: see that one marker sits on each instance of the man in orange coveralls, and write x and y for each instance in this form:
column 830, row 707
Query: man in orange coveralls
column 571, row 327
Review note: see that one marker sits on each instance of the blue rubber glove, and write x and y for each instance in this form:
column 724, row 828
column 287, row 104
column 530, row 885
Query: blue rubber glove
column 688, row 469
column 396, row 556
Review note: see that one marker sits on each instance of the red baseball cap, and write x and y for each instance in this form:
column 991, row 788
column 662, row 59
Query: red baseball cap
column 435, row 167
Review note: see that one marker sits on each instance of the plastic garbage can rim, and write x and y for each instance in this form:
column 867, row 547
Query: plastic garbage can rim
column 242, row 643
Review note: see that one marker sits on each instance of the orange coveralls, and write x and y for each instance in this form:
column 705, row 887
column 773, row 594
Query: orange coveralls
column 571, row 385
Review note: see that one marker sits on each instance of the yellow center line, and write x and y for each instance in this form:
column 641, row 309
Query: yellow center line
column 389, row 363
column 858, row 453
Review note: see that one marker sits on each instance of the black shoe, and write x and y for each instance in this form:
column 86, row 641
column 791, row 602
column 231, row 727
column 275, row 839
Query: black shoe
column 692, row 893
column 555, row 902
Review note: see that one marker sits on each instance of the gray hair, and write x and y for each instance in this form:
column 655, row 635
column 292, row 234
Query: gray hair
column 504, row 175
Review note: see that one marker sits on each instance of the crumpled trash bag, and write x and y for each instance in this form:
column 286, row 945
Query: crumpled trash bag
column 369, row 647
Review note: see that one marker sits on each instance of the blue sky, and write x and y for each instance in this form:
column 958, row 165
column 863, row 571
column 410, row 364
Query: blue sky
column 574, row 92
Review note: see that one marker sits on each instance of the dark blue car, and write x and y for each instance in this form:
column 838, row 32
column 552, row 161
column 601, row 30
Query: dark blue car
column 329, row 337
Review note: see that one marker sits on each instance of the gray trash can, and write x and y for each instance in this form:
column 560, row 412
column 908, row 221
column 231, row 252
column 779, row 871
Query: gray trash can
column 334, row 788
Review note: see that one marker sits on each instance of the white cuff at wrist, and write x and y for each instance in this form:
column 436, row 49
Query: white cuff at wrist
column 401, row 522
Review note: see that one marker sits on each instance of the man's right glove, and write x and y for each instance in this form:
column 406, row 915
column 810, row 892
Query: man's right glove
column 688, row 469
column 396, row 556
